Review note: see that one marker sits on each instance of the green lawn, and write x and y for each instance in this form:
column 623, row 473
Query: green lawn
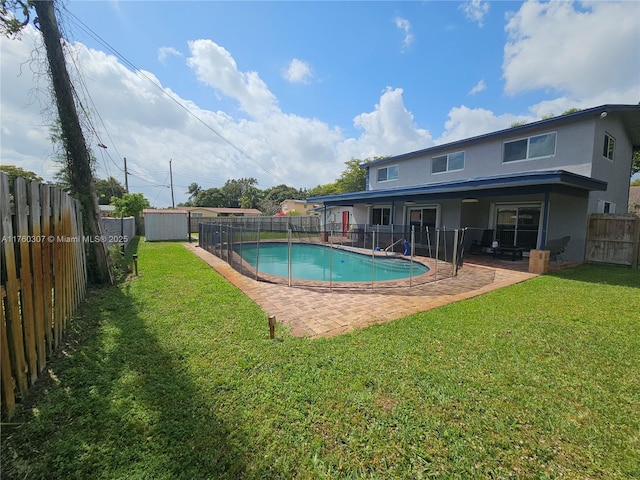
column 172, row 376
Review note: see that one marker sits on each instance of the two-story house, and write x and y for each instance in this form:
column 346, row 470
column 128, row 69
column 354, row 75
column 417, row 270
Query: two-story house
column 527, row 184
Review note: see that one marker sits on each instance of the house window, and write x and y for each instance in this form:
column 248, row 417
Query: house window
column 528, row 148
column 606, row 207
column 609, row 146
column 447, row 163
column 387, row 174
column 381, row 216
column 196, row 214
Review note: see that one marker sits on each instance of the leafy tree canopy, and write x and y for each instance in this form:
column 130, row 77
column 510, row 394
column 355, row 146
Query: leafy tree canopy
column 193, row 191
column 635, row 165
column 14, row 16
column 233, row 190
column 12, row 172
column 130, row 205
column 211, row 197
column 282, row 192
column 107, row 189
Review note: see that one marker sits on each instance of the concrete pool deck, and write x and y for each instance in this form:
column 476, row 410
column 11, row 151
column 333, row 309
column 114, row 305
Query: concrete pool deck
column 310, row 312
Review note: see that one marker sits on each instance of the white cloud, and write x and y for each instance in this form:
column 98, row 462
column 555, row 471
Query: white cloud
column 480, row 86
column 464, row 122
column 298, row 71
column 147, row 123
column 582, row 53
column 404, row 25
column 475, row 11
column 388, row 130
column 165, row 52
column 215, row 67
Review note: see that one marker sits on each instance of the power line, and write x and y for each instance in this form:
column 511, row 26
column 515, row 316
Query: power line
column 104, row 43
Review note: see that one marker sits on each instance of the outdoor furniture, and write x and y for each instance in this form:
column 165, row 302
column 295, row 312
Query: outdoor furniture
column 512, row 253
column 556, row 247
column 484, row 244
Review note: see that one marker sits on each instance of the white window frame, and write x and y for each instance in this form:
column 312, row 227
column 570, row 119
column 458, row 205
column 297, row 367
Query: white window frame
column 380, row 207
column 448, row 166
column 387, row 179
column 609, row 147
column 527, row 154
column 605, row 207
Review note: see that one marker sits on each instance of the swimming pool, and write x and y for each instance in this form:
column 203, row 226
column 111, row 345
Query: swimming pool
column 319, row 262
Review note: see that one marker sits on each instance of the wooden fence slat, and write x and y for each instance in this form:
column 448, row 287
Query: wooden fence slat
column 44, row 279
column 38, row 279
column 613, row 239
column 7, row 381
column 47, row 272
column 58, row 269
column 12, row 315
column 26, row 278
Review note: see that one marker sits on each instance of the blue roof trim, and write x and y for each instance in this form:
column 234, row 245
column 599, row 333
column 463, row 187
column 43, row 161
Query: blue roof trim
column 507, row 132
column 472, row 186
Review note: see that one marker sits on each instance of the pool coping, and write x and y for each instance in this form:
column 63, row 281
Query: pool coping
column 409, row 282
column 317, row 313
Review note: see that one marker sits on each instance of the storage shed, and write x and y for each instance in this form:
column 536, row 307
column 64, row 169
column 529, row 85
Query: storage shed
column 163, row 225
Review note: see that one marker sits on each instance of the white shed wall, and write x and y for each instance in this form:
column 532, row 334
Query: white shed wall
column 165, row 226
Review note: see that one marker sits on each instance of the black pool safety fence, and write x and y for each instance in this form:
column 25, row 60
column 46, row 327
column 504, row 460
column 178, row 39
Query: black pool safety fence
column 361, row 257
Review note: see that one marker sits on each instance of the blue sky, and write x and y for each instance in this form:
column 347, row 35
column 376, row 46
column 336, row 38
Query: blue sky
column 286, row 92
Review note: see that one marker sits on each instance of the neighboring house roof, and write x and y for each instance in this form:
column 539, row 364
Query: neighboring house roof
column 528, row 182
column 245, row 211
column 627, row 113
column 160, row 210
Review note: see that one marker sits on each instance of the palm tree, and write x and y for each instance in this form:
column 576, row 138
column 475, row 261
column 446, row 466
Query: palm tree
column 194, row 190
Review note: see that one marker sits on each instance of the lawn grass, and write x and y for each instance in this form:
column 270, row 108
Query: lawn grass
column 172, row 376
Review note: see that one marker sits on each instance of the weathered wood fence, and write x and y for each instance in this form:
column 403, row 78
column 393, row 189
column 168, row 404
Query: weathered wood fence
column 613, row 239
column 44, row 278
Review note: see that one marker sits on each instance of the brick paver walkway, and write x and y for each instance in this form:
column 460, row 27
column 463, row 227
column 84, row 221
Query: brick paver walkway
column 323, row 313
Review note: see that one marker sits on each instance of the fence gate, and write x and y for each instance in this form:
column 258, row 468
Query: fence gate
column 613, row 239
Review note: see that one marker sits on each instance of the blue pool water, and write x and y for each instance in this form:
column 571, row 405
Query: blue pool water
column 317, row 262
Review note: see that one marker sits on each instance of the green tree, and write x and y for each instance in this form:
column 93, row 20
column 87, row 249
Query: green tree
column 282, row 192
column 14, row 16
column 353, row 178
column 635, row 165
column 251, row 197
column 193, row 191
column 211, row 197
column 322, row 190
column 233, row 190
column 107, row 189
column 130, row 205
column 13, row 172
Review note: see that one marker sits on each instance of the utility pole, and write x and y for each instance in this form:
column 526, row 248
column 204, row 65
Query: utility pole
column 173, row 202
column 126, row 176
column 78, row 163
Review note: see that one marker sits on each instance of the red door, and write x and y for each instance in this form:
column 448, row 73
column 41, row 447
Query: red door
column 345, row 223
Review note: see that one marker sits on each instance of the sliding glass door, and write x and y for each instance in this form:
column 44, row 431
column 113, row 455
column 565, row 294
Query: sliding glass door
column 518, row 225
column 420, row 218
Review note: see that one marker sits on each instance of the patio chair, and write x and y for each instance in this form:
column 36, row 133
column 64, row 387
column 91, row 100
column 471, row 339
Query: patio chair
column 556, row 247
column 481, row 246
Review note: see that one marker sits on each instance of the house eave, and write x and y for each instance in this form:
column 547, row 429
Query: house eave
column 528, row 182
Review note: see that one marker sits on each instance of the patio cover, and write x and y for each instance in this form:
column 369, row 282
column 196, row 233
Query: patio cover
column 553, row 181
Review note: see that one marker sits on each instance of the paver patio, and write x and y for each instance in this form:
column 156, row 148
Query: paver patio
column 313, row 312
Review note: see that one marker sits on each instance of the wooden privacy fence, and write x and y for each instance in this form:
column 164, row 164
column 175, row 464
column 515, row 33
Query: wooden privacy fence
column 613, row 239
column 44, row 278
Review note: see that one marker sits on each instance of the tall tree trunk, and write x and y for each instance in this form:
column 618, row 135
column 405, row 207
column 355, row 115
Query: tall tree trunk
column 78, row 158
